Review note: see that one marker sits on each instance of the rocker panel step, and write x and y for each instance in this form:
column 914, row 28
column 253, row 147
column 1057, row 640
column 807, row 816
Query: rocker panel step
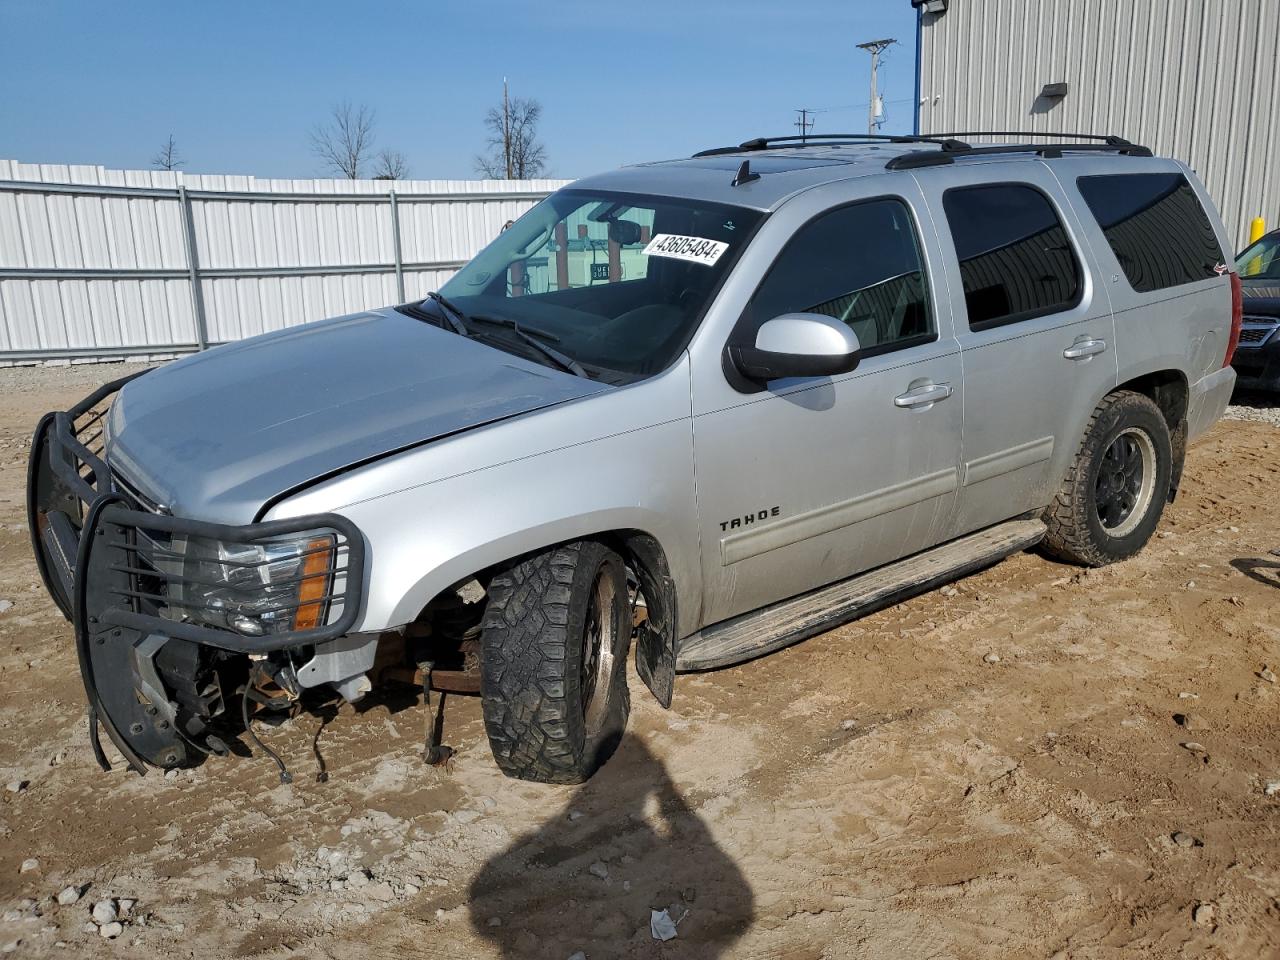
column 771, row 628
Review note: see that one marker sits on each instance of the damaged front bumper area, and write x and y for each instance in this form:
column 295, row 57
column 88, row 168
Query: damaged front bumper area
column 171, row 613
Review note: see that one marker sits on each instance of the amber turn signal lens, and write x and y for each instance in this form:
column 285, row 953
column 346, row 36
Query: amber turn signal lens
column 314, row 585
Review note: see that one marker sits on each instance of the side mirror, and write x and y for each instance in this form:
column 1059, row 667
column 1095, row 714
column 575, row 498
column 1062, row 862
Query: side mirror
column 798, row 345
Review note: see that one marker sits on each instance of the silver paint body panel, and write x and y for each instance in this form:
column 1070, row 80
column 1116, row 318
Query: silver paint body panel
column 451, row 456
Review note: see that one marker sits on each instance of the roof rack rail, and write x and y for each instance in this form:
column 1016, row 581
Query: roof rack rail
column 796, row 141
column 1094, row 144
column 1078, row 137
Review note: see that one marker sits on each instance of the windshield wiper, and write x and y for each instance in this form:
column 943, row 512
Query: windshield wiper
column 535, row 338
column 455, row 317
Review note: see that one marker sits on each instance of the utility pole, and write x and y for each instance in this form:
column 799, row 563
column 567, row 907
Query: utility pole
column 506, row 129
column 803, row 124
column 874, row 47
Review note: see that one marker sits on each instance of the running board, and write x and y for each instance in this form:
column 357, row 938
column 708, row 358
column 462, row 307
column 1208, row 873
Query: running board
column 754, row 634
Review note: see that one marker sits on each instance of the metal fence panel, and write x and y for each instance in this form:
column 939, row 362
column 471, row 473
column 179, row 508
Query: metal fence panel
column 101, row 263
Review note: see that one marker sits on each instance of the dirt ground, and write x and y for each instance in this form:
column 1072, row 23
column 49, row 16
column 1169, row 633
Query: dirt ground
column 890, row 789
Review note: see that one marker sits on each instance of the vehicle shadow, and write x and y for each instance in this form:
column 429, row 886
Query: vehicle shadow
column 1256, row 568
column 586, row 881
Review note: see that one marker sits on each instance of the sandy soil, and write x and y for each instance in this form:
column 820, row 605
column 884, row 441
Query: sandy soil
column 886, row 790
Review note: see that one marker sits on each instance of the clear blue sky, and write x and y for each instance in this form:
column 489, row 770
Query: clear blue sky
column 240, row 84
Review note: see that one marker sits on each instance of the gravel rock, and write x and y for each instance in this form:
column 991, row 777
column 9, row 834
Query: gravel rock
column 1267, row 675
column 104, row 911
column 576, row 815
column 1186, row 840
column 599, row 869
column 1205, row 914
column 11, row 916
column 848, row 724
column 578, row 956
column 29, row 864
column 6, row 605
column 991, row 658
column 11, row 946
column 69, row 895
column 495, row 921
column 1190, row 721
column 1194, row 747
column 126, row 907
column 17, row 786
column 1271, row 788
column 111, row 930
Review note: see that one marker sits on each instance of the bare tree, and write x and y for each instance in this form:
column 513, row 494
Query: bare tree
column 345, row 143
column 167, row 157
column 515, row 152
column 390, row 165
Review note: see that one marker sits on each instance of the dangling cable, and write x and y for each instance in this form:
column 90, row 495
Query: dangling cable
column 285, row 776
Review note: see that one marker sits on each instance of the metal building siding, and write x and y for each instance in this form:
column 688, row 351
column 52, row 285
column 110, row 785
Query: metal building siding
column 1192, row 79
column 51, row 231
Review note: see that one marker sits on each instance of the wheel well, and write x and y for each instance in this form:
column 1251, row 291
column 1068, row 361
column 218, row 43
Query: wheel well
column 644, row 557
column 1169, row 391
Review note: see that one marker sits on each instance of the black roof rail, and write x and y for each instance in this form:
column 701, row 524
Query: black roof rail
column 796, row 141
column 1077, row 137
column 934, row 158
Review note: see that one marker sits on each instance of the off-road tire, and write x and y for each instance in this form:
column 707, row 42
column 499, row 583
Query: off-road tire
column 532, row 649
column 1076, row 533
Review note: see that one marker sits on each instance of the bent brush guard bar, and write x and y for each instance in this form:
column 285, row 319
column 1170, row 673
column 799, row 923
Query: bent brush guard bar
column 119, row 629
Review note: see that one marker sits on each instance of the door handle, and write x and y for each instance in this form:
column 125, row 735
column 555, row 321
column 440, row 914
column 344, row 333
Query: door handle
column 923, row 396
column 1084, row 349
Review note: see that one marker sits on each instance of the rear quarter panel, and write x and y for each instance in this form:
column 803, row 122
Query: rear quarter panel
column 1183, row 328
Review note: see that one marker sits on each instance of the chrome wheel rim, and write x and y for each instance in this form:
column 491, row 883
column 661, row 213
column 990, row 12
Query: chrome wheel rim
column 599, row 641
column 1125, row 482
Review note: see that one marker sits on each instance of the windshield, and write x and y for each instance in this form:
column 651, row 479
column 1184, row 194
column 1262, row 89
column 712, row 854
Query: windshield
column 616, row 282
column 1261, row 261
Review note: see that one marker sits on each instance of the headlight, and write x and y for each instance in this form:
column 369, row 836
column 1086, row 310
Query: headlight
column 272, row 586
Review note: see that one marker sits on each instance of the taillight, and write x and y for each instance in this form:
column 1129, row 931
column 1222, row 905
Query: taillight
column 1237, row 317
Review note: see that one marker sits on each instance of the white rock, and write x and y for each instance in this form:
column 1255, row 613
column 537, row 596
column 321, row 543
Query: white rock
column 104, row 911
column 57, row 758
column 27, row 905
column 1204, row 914
column 495, row 921
column 848, row 724
column 111, row 930
column 576, row 815
column 578, row 956
column 29, row 864
column 68, row 895
column 1184, row 695
column 16, row 786
column 357, row 878
column 11, row 946
column 466, row 816
column 487, row 803
column 1271, row 788
column 171, row 773
column 1267, row 675
column 11, row 916
column 599, row 869
column 991, row 658
column 6, row 605
column 126, row 907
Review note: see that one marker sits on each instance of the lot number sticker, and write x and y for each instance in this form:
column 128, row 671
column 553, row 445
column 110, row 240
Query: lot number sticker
column 693, row 249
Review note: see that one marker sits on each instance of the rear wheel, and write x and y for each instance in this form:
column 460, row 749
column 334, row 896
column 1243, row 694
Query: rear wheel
column 1114, row 492
column 553, row 662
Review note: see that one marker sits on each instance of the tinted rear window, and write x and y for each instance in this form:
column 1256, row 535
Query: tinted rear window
column 1016, row 261
column 1155, row 226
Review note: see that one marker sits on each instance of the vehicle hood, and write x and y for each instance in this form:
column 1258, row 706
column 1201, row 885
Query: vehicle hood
column 1262, row 298
column 218, row 435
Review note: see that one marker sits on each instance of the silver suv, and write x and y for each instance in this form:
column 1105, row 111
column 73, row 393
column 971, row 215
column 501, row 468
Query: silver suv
column 708, row 406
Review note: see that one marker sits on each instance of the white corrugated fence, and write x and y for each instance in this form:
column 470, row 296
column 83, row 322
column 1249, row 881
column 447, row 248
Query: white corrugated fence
column 98, row 263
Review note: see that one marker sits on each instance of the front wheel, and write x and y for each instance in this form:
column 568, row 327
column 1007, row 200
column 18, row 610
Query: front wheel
column 1114, row 492
column 553, row 681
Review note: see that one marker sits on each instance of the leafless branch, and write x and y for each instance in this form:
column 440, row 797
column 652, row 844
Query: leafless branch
column 516, row 135
column 345, row 144
column 390, row 165
column 167, row 157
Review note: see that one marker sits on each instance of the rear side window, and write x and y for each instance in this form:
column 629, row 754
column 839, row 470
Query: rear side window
column 861, row 265
column 1156, row 228
column 1016, row 262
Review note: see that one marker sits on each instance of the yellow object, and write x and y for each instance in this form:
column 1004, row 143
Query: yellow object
column 1257, row 227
